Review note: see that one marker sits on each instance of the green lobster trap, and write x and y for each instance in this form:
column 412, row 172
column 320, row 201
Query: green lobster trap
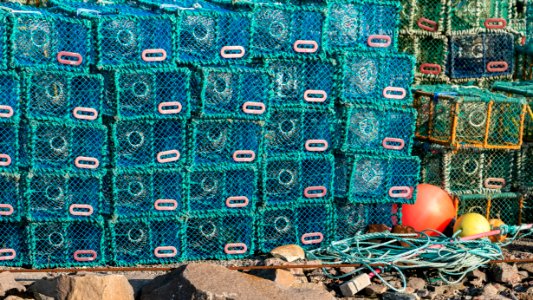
column 14, row 250
column 11, row 197
column 63, row 96
column 10, row 108
column 431, row 52
column 525, row 169
column 468, row 170
column 153, row 240
column 353, row 219
column 469, row 117
column 420, row 16
column 505, row 206
column 518, row 89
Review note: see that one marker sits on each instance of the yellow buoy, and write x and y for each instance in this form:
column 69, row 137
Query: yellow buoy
column 471, row 224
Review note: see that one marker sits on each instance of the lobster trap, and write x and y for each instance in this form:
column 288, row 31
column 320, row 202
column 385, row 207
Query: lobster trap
column 289, row 180
column 431, row 52
column 309, row 225
column 368, row 26
column 471, row 15
column 302, row 82
column 221, row 191
column 373, row 179
column 9, row 146
column 235, row 92
column 144, row 143
column 376, row 78
column 147, row 193
column 226, row 141
column 137, row 241
column 64, row 96
column 66, row 244
column 296, row 130
column 518, row 89
column 468, row 170
column 13, row 247
column 480, row 54
column 377, row 129
column 11, row 204
column 10, row 110
column 525, row 169
column 353, row 219
column 469, row 117
column 219, row 236
column 420, row 16
column 504, row 206
column 286, row 31
column 66, row 146
column 60, row 196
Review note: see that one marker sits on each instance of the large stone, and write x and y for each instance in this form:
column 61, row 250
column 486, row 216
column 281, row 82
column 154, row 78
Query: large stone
column 398, row 296
column 416, row 283
column 375, row 290
column 505, row 273
column 208, row 281
column 289, row 253
column 490, row 290
column 8, row 284
column 13, row 297
column 44, row 289
column 283, row 278
column 477, row 278
column 526, row 267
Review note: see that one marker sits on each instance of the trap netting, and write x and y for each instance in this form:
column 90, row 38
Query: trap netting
column 4, row 44
column 424, row 16
column 297, row 130
column 13, row 247
column 376, row 78
column 208, row 34
column 527, row 210
column 66, row 244
column 363, row 178
column 39, row 38
column 504, row 206
column 353, row 219
column 221, row 191
column 469, row 117
column 60, row 196
column 379, row 130
column 147, row 193
column 125, row 36
column 219, row 236
column 10, row 109
column 162, row 93
column 431, row 52
column 474, row 14
column 235, row 92
column 149, row 143
column 9, row 146
column 302, row 82
column 309, row 225
column 289, row 180
column 11, row 203
column 67, row 146
column 368, row 26
column 525, row 169
column 468, row 170
column 63, row 96
column 285, row 31
column 480, row 54
column 518, row 89
column 138, row 241
column 226, row 141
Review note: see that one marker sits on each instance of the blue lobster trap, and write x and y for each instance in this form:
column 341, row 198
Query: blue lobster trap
column 366, row 179
column 40, row 38
column 146, row 193
column 285, row 31
column 376, row 78
column 303, row 82
column 309, row 225
column 143, row 143
column 300, row 178
column 60, row 196
column 137, row 241
column 66, row 244
column 226, row 141
column 296, row 130
column 10, row 110
column 219, row 236
column 353, row 219
column 481, row 54
column 11, row 204
column 208, row 34
column 64, row 96
column 13, row 247
column 153, row 93
column 234, row 189
column 66, row 146
column 377, row 130
column 125, row 36
column 235, row 92
column 9, row 146
column 368, row 26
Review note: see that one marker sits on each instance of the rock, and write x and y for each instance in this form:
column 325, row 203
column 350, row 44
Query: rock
column 209, row 281
column 374, row 290
column 523, row 274
column 8, row 283
column 13, row 297
column 403, row 230
column 490, row 290
column 477, row 278
column 274, row 261
column 38, row 296
column 505, row 273
column 423, row 293
column 526, row 267
column 374, row 228
column 409, row 290
column 289, row 253
column 44, row 289
column 416, row 283
column 97, row 287
column 346, row 270
column 283, row 278
column 398, row 296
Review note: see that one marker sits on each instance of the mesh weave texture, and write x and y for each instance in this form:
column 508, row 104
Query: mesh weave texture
column 13, row 247
column 505, row 206
column 353, row 219
column 10, row 110
column 11, row 187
